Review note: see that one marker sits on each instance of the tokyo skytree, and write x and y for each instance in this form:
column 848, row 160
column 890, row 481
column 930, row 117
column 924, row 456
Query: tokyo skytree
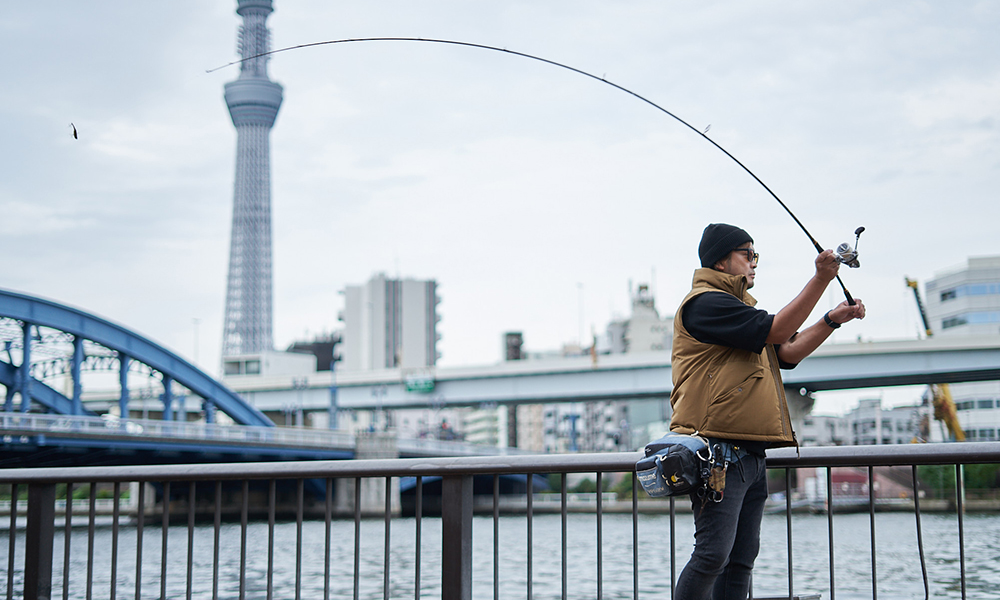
column 253, row 102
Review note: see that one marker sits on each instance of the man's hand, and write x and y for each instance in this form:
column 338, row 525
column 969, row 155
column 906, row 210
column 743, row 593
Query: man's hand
column 844, row 312
column 827, row 266
column 803, row 344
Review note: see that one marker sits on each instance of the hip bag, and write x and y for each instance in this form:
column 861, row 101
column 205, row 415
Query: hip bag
column 675, row 464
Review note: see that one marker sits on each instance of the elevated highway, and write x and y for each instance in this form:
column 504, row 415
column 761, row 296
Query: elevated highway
column 616, row 377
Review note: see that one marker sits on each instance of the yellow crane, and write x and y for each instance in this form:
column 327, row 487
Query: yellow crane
column 944, row 405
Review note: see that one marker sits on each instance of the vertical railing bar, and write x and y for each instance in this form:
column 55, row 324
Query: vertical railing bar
column 357, row 537
column 788, row 528
column 91, row 527
column 673, row 547
column 164, row 534
column 271, row 501
column 190, row 536
column 140, row 522
column 871, row 512
column 67, row 534
column 116, row 514
column 418, row 517
column 496, row 536
column 11, row 547
column 635, row 537
column 829, row 525
column 562, row 515
column 300, row 501
column 388, row 540
column 530, row 517
column 920, row 534
column 600, row 533
column 217, row 524
column 960, row 505
column 244, row 517
column 39, row 540
column 327, row 523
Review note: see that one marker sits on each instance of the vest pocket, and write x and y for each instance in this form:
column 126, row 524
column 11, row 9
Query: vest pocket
column 733, row 411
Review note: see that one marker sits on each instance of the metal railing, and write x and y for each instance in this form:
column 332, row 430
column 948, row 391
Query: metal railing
column 32, row 560
column 16, row 425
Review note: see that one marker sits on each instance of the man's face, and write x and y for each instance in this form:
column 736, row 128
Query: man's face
column 740, row 262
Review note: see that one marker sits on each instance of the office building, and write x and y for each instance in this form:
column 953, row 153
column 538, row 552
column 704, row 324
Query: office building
column 390, row 323
column 965, row 301
column 869, row 424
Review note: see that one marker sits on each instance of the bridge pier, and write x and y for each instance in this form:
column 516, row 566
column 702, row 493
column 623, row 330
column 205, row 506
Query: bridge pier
column 370, row 445
column 799, row 406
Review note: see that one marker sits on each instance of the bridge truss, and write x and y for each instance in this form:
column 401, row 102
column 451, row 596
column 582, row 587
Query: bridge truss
column 44, row 342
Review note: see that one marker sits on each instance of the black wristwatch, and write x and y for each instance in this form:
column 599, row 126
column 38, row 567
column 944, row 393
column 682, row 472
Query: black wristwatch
column 830, row 322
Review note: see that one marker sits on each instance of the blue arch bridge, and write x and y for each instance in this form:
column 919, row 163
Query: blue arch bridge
column 50, row 350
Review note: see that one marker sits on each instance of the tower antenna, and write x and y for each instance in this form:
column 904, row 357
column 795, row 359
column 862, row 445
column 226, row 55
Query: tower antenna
column 253, row 102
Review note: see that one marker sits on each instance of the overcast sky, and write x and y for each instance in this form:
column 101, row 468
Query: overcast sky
column 525, row 190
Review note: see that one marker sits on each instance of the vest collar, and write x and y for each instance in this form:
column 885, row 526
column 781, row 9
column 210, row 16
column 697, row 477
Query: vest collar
column 731, row 284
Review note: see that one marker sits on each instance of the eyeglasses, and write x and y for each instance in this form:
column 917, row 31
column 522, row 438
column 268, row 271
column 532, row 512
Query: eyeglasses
column 750, row 254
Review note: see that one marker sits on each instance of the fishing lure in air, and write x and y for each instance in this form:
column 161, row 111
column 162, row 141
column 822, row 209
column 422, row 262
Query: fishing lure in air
column 846, row 256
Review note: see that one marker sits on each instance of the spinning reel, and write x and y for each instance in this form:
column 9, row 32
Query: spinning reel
column 849, row 255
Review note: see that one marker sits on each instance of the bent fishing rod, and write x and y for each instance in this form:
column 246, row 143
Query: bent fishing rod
column 844, row 253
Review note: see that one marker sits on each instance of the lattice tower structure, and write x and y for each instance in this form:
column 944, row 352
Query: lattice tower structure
column 253, row 102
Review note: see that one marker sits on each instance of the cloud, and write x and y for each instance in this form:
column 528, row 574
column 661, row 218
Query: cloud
column 508, row 180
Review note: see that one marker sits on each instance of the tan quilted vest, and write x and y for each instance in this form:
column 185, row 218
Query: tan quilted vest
column 725, row 392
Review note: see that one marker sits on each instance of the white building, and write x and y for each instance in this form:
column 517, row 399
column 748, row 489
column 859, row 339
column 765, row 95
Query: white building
column 390, row 323
column 978, row 408
column 622, row 425
column 481, row 426
column 869, row 424
column 824, row 430
column 965, row 301
column 644, row 330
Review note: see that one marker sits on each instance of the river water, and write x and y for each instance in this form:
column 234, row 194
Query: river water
column 897, row 563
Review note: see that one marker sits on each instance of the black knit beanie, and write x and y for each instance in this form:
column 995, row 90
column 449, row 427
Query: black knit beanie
column 718, row 240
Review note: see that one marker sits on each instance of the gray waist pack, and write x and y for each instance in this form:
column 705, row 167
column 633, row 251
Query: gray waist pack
column 674, row 464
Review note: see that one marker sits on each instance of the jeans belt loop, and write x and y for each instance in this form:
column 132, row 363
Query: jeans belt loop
column 739, row 452
column 730, row 452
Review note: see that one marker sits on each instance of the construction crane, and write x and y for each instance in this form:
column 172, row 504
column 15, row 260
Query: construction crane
column 944, row 405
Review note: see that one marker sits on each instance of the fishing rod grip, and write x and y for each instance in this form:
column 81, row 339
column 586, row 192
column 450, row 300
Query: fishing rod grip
column 850, row 298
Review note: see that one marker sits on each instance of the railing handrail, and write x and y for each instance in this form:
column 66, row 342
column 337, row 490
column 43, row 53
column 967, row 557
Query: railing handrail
column 228, row 434
column 888, row 455
column 399, row 467
column 822, row 456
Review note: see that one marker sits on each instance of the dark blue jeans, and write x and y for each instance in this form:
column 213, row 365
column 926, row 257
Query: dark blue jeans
column 726, row 536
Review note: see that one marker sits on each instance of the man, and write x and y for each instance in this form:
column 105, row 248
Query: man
column 727, row 387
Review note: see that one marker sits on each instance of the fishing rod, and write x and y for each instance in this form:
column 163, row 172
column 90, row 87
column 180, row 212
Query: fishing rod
column 844, row 254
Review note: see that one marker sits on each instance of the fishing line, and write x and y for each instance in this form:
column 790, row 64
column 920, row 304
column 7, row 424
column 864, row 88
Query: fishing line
column 815, row 244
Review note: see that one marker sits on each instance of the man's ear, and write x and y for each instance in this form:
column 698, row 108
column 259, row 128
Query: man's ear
column 720, row 266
